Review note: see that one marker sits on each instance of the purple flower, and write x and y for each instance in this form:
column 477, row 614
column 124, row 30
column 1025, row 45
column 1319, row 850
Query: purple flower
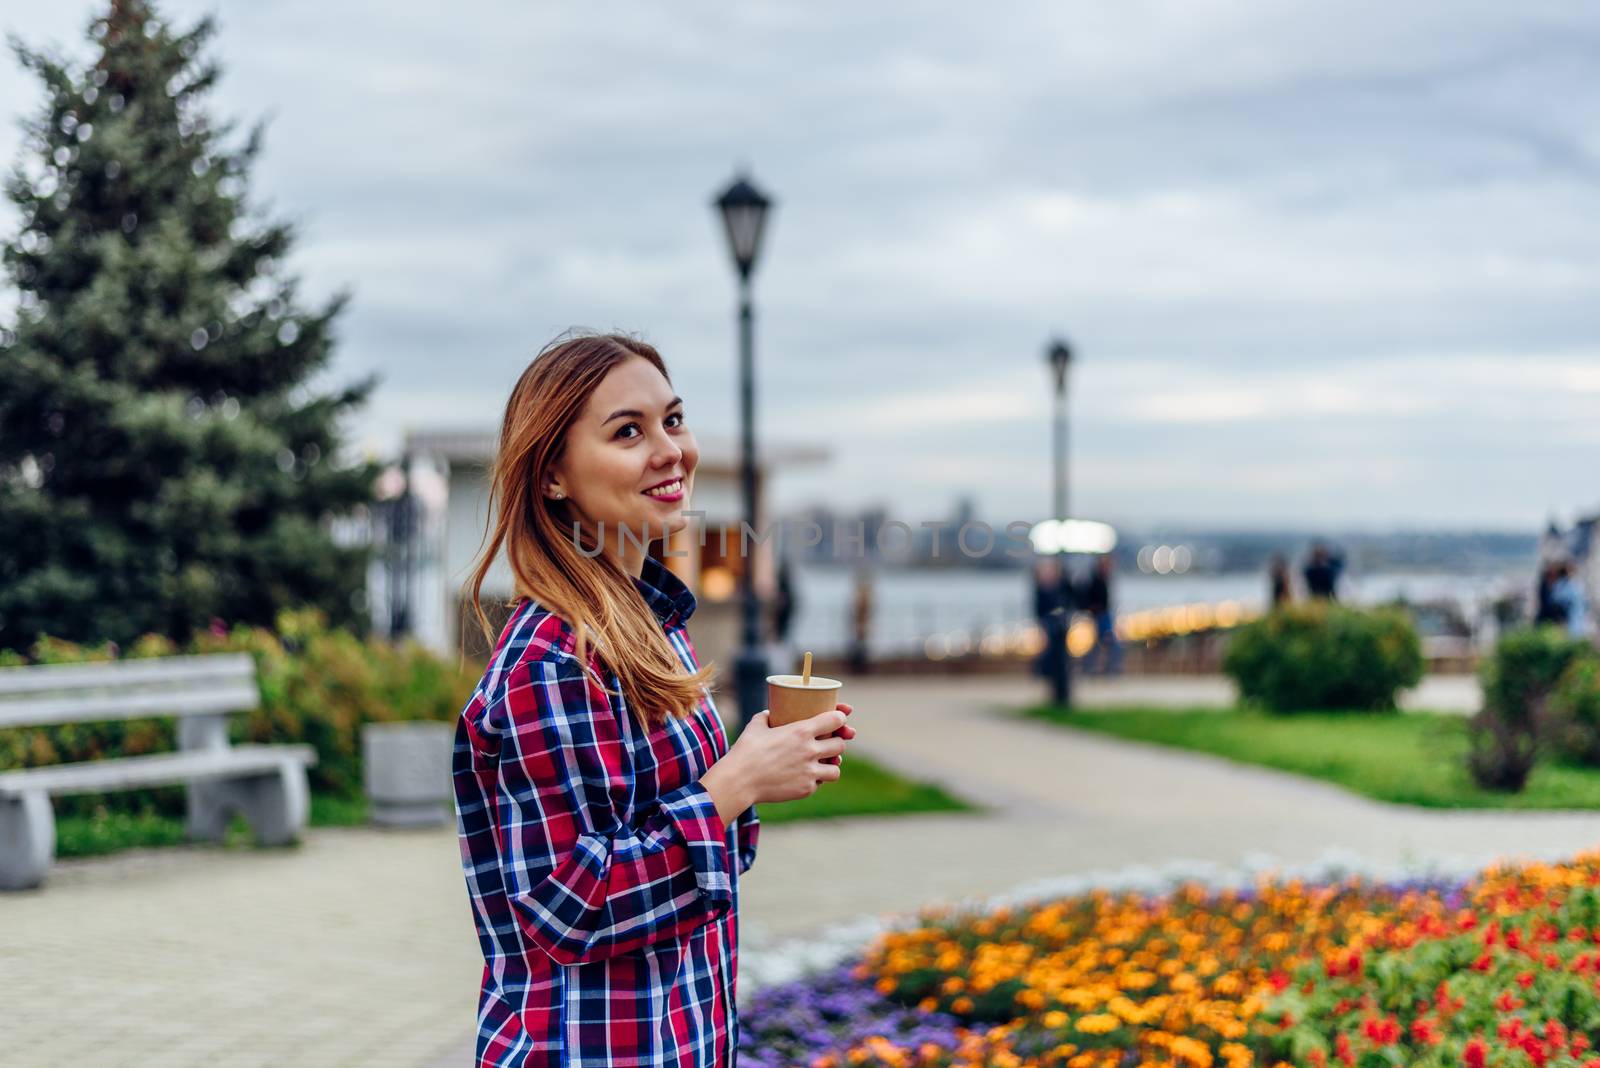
column 829, row 1013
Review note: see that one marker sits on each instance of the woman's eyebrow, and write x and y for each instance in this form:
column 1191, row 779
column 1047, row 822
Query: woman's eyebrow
column 634, row 413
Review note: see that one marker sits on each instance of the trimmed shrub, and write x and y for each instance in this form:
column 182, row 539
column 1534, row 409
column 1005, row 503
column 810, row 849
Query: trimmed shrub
column 1519, row 679
column 1322, row 656
column 1574, row 721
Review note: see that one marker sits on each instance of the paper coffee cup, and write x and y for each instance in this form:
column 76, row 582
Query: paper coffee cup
column 789, row 699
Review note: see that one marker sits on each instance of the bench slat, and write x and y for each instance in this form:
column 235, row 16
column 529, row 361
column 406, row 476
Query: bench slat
column 160, row 769
column 98, row 707
column 175, row 670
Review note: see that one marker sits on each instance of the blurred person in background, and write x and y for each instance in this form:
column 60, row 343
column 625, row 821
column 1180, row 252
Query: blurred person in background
column 861, row 621
column 1106, row 655
column 1322, row 573
column 1546, row 608
column 783, row 609
column 1567, row 594
column 1282, row 586
column 1052, row 596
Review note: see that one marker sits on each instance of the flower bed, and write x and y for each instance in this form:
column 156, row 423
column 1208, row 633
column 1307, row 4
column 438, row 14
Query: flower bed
column 1499, row 969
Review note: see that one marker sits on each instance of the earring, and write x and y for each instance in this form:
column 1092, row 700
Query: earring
column 558, row 494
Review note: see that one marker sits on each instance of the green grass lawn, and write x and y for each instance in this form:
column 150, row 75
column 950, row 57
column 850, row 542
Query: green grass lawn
column 864, row 790
column 109, row 832
column 1414, row 758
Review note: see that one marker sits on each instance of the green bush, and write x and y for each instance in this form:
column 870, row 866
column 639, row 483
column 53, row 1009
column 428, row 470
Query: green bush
column 318, row 686
column 1518, row 719
column 1325, row 656
column 1574, row 711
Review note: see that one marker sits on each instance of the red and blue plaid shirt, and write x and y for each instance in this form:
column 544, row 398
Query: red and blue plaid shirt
column 603, row 882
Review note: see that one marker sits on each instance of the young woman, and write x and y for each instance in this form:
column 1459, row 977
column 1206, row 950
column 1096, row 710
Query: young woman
column 604, row 819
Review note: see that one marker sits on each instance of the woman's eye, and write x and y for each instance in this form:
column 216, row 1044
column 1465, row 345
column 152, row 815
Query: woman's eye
column 628, row 431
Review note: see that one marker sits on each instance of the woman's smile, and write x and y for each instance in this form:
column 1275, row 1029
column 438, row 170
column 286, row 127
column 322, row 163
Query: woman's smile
column 670, row 491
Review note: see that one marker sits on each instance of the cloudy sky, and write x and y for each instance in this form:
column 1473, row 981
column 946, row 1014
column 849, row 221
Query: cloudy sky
column 1321, row 263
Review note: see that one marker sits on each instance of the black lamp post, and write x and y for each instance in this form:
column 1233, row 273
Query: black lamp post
column 402, row 553
column 744, row 214
column 1059, row 356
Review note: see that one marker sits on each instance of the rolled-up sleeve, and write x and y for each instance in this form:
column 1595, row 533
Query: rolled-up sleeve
column 585, row 883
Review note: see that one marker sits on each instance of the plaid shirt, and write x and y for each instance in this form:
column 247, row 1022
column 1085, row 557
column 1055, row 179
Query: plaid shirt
column 603, row 883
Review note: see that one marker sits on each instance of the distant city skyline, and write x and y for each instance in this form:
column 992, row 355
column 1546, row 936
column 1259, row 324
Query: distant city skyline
column 1321, row 268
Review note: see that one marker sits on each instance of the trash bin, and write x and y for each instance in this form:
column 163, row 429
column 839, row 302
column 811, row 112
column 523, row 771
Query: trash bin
column 406, row 772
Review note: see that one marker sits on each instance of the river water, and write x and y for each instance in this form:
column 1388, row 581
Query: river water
column 911, row 604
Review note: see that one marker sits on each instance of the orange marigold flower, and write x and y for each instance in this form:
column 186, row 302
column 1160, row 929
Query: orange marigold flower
column 1100, row 1023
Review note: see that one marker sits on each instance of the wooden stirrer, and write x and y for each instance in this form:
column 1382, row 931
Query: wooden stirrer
column 805, row 671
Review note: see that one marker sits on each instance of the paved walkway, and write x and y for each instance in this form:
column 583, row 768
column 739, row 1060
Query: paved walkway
column 357, row 948
column 1437, row 693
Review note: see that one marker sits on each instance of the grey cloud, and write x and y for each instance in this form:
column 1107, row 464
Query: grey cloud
column 1237, row 188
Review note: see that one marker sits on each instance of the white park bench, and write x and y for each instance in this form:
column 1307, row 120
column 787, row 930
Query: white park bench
column 265, row 783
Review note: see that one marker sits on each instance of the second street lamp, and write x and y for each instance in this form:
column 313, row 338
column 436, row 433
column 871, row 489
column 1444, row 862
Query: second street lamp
column 744, row 216
column 1059, row 356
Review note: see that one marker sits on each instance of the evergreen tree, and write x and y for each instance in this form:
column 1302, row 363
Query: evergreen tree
column 164, row 459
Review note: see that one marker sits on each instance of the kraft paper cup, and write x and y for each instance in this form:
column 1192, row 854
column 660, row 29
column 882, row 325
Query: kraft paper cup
column 789, row 700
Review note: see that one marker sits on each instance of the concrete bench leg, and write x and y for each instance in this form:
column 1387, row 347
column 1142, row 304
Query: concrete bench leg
column 27, row 841
column 276, row 804
column 211, row 806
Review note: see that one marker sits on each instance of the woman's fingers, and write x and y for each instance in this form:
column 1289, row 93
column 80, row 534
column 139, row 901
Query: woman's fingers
column 846, row 709
column 825, row 772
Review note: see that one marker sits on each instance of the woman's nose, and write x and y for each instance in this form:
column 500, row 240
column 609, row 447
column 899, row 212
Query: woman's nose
column 667, row 452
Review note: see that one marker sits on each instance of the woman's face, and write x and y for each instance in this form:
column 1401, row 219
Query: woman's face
column 628, row 461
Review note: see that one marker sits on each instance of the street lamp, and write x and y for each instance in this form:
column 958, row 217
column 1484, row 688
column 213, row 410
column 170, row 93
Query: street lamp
column 1059, row 357
column 744, row 215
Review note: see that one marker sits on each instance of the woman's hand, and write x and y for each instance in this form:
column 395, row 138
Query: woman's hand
column 846, row 733
column 777, row 763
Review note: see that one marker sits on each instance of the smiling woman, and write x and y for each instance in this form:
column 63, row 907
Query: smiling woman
column 604, row 818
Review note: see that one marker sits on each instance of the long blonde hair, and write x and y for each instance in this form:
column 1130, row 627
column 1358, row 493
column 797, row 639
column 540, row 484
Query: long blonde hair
column 538, row 534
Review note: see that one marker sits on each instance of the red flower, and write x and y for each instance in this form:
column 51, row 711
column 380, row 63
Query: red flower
column 1476, row 1053
column 1507, row 1002
column 1383, row 1031
column 1525, row 980
column 1341, row 1049
column 1426, row 1032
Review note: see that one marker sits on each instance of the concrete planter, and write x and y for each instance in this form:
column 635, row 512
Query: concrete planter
column 406, row 771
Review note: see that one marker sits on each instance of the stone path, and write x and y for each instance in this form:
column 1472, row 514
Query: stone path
column 1437, row 693
column 357, row 948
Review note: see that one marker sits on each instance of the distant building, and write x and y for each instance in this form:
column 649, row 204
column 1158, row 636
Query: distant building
column 455, row 462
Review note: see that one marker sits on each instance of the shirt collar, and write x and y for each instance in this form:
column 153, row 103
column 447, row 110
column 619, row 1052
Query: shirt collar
column 666, row 594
